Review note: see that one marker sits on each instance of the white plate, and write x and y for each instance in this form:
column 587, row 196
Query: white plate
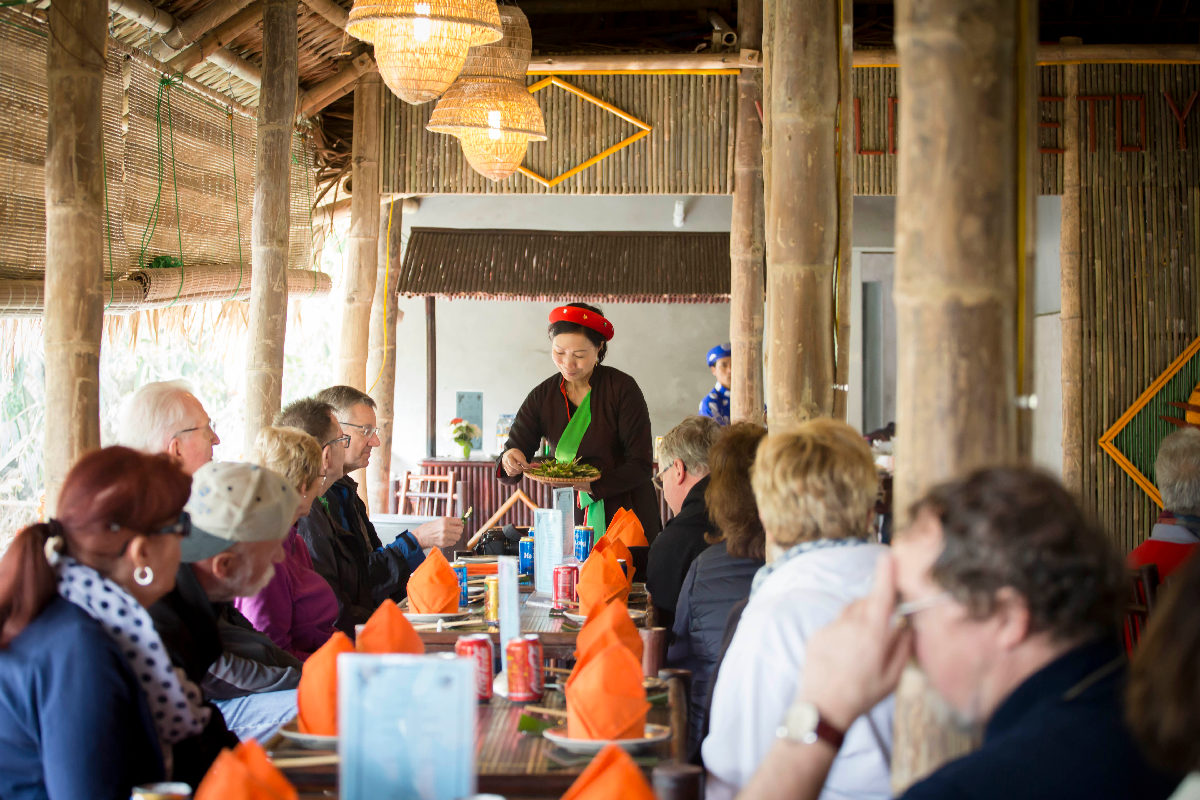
column 637, row 615
column 422, row 618
column 477, row 559
column 308, row 741
column 654, row 734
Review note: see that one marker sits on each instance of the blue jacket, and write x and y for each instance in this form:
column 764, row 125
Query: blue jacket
column 74, row 722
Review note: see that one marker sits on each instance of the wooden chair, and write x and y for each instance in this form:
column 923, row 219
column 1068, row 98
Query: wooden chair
column 1143, row 595
column 428, row 495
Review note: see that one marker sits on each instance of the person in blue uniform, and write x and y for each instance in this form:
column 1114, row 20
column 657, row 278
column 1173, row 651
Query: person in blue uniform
column 716, row 403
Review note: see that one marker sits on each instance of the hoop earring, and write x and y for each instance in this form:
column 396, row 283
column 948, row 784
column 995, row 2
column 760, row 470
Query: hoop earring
column 143, row 576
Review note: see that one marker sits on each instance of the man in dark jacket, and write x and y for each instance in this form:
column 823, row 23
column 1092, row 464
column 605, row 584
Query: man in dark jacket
column 683, row 476
column 240, row 514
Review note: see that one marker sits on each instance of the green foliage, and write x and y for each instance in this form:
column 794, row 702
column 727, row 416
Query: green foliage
column 565, row 469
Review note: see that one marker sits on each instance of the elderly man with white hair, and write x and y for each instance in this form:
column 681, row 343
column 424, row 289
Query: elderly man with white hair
column 1176, row 532
column 165, row 417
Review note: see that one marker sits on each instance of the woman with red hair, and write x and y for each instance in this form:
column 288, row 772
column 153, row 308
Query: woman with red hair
column 90, row 705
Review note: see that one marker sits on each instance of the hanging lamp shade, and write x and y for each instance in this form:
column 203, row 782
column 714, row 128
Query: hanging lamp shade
column 421, row 47
column 489, row 108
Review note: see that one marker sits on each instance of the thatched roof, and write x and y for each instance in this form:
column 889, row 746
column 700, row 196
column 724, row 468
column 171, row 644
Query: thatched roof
column 648, row 267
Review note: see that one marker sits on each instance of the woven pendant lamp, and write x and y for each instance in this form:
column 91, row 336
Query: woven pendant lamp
column 421, row 47
column 488, row 108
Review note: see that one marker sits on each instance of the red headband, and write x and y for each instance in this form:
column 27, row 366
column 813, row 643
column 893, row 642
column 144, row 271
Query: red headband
column 581, row 316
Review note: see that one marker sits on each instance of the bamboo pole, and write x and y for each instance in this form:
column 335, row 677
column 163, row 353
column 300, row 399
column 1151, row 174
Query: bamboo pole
column 269, row 231
column 746, row 244
column 358, row 282
column 218, row 37
column 845, row 251
column 801, row 215
column 74, row 242
column 1071, row 310
column 189, row 30
column 430, row 376
column 331, row 11
column 956, row 269
column 381, row 359
column 336, row 86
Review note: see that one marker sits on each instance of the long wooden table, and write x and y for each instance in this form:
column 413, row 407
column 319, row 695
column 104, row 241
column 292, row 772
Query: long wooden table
column 558, row 634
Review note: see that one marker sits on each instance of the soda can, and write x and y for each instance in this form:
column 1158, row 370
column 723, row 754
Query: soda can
column 565, row 577
column 478, row 648
column 583, row 542
column 523, row 660
column 460, row 569
column 624, row 567
column 525, row 556
column 491, row 601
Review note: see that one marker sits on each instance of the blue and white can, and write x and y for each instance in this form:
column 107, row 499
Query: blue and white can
column 460, row 569
column 583, row 542
column 525, row 556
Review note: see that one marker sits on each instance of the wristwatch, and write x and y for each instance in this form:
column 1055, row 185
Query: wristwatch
column 803, row 724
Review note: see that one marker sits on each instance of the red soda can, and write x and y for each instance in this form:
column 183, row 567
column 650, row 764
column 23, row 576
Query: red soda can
column 536, row 663
column 478, row 648
column 524, row 668
column 565, row 576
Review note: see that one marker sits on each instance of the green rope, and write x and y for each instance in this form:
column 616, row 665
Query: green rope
column 237, row 215
column 175, row 186
column 152, row 222
column 108, row 226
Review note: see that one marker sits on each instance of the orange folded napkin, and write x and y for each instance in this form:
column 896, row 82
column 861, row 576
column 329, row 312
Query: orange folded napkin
column 433, row 587
column 605, row 697
column 612, row 775
column 605, row 625
column 388, row 631
column 619, row 551
column 316, row 696
column 600, row 581
column 244, row 773
column 627, row 528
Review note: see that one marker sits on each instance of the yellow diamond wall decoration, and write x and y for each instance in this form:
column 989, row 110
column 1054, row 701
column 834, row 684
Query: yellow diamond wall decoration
column 642, row 130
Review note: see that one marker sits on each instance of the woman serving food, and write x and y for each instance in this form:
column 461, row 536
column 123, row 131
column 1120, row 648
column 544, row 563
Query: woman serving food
column 590, row 413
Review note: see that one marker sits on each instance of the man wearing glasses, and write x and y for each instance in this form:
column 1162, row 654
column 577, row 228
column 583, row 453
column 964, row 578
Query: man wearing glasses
column 355, row 412
column 165, row 417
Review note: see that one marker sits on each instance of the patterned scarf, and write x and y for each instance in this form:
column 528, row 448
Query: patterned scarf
column 1187, row 521
column 795, row 551
column 176, row 705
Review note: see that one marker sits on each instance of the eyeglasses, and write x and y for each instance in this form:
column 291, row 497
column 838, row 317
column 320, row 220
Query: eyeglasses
column 209, row 426
column 344, row 439
column 181, row 526
column 657, row 479
column 904, row 611
column 367, row 430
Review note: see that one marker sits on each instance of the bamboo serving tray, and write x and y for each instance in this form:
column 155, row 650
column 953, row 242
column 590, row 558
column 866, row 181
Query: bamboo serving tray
column 560, row 481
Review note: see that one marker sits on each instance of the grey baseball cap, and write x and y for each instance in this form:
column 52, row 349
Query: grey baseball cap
column 235, row 502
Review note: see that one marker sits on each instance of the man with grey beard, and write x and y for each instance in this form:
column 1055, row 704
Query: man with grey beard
column 239, row 515
column 1008, row 597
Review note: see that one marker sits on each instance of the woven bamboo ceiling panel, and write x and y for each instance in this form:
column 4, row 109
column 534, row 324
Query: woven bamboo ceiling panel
column 557, row 265
column 688, row 151
column 179, row 179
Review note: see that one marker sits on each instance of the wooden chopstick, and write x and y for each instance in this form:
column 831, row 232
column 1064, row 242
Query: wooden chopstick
column 307, row 761
column 557, row 713
column 558, row 670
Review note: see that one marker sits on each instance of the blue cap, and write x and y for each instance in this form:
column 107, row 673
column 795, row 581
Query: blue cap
column 719, row 352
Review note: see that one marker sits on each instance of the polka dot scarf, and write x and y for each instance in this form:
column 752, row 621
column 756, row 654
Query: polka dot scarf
column 175, row 703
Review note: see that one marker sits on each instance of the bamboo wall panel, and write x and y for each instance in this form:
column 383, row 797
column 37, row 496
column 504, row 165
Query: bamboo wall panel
column 689, row 150
column 141, row 222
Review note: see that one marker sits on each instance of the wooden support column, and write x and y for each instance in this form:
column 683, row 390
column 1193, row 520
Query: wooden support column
column 1071, row 314
column 74, row 239
column 747, row 282
column 430, row 376
column 957, row 249
column 845, row 253
column 269, row 231
column 381, row 360
column 801, row 211
column 358, row 282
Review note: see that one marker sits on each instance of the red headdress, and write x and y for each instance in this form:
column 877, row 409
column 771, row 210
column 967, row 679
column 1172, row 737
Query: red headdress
column 581, row 316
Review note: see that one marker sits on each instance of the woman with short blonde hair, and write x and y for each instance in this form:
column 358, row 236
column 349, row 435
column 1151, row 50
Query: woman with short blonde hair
column 815, row 486
column 297, row 608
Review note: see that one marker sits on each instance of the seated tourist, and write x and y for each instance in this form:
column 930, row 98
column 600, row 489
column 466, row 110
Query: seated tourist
column 240, row 515
column 815, row 487
column 89, row 705
column 1177, row 531
column 297, row 608
column 355, row 412
column 720, row 577
column 683, row 477
column 1163, row 697
column 1011, row 598
column 165, row 417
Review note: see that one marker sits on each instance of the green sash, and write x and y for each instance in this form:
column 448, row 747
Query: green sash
column 568, row 447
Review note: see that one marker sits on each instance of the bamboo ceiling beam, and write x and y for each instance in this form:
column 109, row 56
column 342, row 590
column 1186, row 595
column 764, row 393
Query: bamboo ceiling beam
column 335, row 87
column 189, row 30
column 1056, row 54
column 206, row 92
column 331, row 11
column 217, row 38
column 611, row 6
column 644, row 62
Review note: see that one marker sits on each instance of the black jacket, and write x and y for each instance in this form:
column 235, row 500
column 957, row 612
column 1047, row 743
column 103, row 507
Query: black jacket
column 673, row 552
column 715, row 583
column 617, row 441
column 360, row 572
